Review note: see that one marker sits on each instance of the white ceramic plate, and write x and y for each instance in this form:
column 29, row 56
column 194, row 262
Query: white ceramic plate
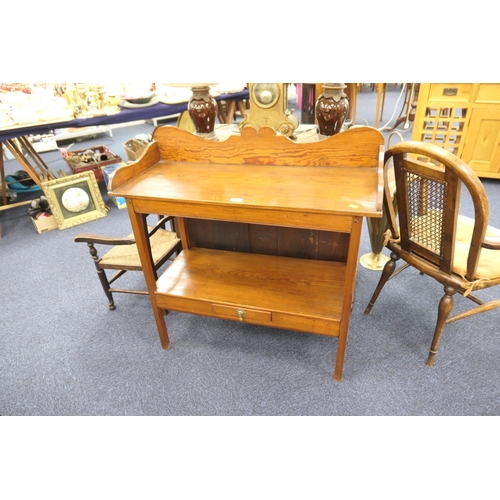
column 126, row 104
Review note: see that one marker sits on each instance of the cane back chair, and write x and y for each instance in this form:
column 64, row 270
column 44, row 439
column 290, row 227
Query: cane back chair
column 461, row 253
column 123, row 256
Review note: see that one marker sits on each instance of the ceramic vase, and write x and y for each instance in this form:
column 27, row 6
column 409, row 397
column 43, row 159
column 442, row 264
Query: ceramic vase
column 202, row 109
column 331, row 109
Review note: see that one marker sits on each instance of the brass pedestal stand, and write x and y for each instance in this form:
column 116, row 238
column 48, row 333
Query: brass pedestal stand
column 375, row 260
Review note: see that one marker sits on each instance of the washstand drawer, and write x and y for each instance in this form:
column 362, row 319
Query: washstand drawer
column 242, row 314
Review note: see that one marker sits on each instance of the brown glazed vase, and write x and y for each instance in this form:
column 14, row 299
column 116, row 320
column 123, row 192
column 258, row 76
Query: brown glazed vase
column 331, row 109
column 202, row 109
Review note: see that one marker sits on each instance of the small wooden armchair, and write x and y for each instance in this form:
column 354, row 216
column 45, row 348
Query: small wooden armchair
column 123, row 256
column 429, row 234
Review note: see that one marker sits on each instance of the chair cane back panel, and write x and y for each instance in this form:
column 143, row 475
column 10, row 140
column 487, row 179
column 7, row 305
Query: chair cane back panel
column 427, row 218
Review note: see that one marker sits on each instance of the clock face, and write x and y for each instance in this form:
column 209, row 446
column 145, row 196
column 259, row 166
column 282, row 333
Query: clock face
column 266, row 94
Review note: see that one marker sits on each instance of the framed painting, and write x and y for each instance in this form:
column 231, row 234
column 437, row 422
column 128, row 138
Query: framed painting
column 75, row 199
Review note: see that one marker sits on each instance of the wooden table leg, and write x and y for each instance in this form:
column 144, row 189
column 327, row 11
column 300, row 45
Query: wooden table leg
column 350, row 282
column 241, row 108
column 2, row 181
column 140, row 228
column 380, row 88
column 2, row 177
column 231, row 108
column 221, row 112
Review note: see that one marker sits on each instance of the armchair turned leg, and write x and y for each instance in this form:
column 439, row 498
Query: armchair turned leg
column 105, row 286
column 387, row 272
column 445, row 307
column 102, row 276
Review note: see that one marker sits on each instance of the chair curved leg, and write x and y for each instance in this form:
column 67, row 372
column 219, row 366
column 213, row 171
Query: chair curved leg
column 445, row 307
column 387, row 272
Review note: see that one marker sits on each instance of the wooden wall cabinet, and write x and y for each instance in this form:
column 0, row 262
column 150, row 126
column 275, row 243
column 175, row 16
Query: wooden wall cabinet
column 463, row 118
column 270, row 228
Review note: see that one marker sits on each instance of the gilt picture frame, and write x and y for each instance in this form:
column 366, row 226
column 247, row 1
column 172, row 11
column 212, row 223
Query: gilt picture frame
column 74, row 199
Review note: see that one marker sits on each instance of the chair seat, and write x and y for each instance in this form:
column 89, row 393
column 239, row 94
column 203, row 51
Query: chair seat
column 127, row 255
column 489, row 262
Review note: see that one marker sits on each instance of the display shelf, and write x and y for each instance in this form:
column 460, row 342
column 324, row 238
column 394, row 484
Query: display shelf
column 65, row 134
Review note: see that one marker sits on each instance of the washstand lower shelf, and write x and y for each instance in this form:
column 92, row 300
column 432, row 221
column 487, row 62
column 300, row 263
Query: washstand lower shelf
column 281, row 292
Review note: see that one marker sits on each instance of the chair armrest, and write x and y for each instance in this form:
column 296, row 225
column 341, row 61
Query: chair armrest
column 491, row 242
column 106, row 240
column 103, row 240
column 160, row 224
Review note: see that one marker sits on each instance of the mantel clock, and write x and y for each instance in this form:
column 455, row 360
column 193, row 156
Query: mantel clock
column 268, row 108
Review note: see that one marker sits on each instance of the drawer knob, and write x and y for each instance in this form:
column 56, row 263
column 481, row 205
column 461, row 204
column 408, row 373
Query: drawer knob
column 241, row 314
